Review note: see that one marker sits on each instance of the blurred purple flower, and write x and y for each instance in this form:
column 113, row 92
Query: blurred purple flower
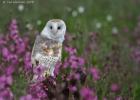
column 6, row 94
column 9, row 80
column 27, row 61
column 72, row 88
column 20, row 47
column 10, row 70
column 70, row 50
column 125, row 29
column 115, row 87
column 2, row 41
column 5, row 80
column 69, row 37
column 136, row 54
column 66, row 63
column 39, row 71
column 104, row 98
column 74, row 64
column 5, row 53
column 28, row 97
column 118, row 98
column 2, row 81
column 81, row 61
column 36, row 90
column 88, row 94
column 95, row 73
column 13, row 27
column 14, row 59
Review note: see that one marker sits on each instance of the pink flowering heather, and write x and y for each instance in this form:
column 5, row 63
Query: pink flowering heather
column 70, row 50
column 88, row 94
column 95, row 73
column 118, row 98
column 115, row 87
column 73, row 60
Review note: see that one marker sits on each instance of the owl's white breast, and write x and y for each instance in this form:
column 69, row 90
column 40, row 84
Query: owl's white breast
column 46, row 60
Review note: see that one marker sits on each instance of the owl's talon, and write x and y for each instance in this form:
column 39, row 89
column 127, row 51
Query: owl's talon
column 37, row 62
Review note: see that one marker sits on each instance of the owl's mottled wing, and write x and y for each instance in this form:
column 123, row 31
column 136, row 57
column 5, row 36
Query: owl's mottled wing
column 36, row 49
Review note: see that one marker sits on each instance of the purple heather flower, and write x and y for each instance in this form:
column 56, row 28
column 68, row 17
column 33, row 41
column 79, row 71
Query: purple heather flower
column 14, row 59
column 27, row 61
column 5, row 80
column 72, row 88
column 37, row 91
column 2, row 81
column 87, row 94
column 73, row 58
column 81, row 61
column 10, row 70
column 136, row 54
column 26, row 41
column 114, row 87
column 27, row 57
column 77, row 76
column 104, row 98
column 126, row 30
column 6, row 94
column 1, row 98
column 73, row 76
column 28, row 66
column 70, row 50
column 69, row 37
column 5, row 52
column 9, row 80
column 27, row 97
column 66, row 63
column 75, row 61
column 95, row 73
column 20, row 46
column 118, row 98
column 74, row 64
column 2, row 41
column 13, row 27
column 39, row 71
column 14, row 37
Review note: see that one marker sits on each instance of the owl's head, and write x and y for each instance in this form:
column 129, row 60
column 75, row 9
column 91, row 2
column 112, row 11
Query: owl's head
column 55, row 29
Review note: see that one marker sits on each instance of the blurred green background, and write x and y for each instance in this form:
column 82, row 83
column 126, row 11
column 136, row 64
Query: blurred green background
column 94, row 11
column 113, row 20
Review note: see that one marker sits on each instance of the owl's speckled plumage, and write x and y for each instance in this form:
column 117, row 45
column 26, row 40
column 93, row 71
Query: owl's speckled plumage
column 48, row 45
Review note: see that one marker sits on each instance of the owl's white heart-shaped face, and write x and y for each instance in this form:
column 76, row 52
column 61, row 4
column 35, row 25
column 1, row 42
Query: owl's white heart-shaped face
column 55, row 29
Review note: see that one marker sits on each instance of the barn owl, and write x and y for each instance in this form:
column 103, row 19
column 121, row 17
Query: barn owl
column 48, row 46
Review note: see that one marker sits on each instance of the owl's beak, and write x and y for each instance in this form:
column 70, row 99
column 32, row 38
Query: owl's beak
column 54, row 31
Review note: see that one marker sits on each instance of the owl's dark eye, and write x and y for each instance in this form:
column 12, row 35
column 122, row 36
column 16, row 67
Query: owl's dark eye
column 51, row 27
column 59, row 27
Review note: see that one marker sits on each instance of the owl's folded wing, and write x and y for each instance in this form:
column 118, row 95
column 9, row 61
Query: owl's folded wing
column 35, row 49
